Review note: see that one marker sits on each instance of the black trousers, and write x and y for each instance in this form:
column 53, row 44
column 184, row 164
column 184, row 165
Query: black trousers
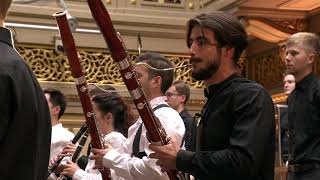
column 307, row 175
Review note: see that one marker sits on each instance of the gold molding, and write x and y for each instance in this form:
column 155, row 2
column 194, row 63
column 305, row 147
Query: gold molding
column 279, row 98
column 191, row 5
column 133, row 2
column 98, row 66
column 270, row 13
column 285, row 25
column 267, row 69
column 265, row 31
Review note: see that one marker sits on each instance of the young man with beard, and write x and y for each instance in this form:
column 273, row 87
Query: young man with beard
column 302, row 49
column 25, row 128
column 236, row 135
column 155, row 74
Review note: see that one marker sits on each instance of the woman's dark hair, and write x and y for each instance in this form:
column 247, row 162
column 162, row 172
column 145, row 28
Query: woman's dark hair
column 114, row 104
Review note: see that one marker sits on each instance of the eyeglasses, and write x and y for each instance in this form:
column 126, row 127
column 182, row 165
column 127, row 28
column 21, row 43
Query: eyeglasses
column 169, row 94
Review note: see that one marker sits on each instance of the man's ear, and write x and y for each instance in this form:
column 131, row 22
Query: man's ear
column 229, row 52
column 311, row 59
column 56, row 110
column 157, row 81
column 183, row 98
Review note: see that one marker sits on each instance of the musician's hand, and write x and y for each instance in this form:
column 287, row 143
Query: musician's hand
column 166, row 155
column 68, row 150
column 97, row 155
column 69, row 168
column 53, row 160
column 58, row 170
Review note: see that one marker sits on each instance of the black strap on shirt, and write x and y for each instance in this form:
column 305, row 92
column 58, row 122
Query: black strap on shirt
column 136, row 141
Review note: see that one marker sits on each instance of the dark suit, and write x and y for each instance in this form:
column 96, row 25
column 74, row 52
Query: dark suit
column 187, row 120
column 25, row 128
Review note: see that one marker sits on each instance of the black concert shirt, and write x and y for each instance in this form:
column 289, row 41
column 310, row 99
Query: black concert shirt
column 238, row 134
column 304, row 121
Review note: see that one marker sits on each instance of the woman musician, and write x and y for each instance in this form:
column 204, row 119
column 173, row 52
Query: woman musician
column 112, row 116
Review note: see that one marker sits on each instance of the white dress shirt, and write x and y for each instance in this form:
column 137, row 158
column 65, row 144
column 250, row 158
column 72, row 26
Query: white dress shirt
column 59, row 138
column 117, row 141
column 130, row 167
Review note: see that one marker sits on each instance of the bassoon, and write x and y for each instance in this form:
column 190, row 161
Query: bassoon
column 155, row 131
column 82, row 130
column 81, row 84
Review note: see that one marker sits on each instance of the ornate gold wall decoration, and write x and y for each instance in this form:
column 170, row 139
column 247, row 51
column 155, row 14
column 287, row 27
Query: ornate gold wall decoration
column 267, row 69
column 184, row 73
column 98, row 66
column 282, row 51
column 289, row 25
column 285, row 25
column 279, row 98
column 242, row 64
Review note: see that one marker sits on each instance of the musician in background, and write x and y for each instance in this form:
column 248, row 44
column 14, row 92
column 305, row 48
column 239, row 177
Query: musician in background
column 112, row 116
column 288, row 86
column 25, row 130
column 302, row 49
column 135, row 163
column 177, row 96
column 57, row 105
column 59, row 135
column 289, row 83
column 236, row 134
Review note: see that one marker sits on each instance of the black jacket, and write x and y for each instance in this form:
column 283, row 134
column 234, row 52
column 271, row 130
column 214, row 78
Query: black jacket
column 25, row 128
column 238, row 134
column 304, row 121
column 188, row 121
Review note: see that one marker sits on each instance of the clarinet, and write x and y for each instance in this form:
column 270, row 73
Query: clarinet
column 82, row 130
column 81, row 84
column 76, row 154
column 155, row 131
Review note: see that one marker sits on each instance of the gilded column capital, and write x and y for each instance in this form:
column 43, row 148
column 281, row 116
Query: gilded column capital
column 274, row 30
column 287, row 25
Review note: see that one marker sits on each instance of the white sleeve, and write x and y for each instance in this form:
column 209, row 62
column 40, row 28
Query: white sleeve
column 134, row 168
column 88, row 174
column 117, row 141
column 82, row 175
